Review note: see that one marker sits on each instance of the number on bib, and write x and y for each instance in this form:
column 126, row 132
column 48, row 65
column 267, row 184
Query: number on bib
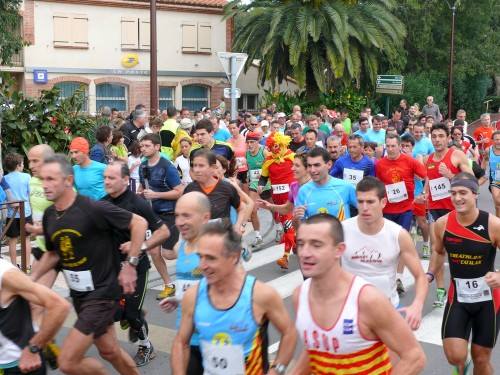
column 472, row 290
column 254, row 174
column 281, row 188
column 223, row 359
column 353, row 176
column 181, row 286
column 396, row 192
column 80, row 281
column 497, row 174
column 439, row 188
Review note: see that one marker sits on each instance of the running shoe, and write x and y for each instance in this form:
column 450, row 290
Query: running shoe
column 246, row 254
column 426, row 251
column 283, row 262
column 144, row 355
column 50, row 353
column 400, row 287
column 168, row 291
column 440, row 297
column 467, row 368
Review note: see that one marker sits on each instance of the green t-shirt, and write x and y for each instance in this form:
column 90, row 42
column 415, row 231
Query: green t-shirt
column 323, row 127
column 38, row 204
column 255, row 167
column 347, row 125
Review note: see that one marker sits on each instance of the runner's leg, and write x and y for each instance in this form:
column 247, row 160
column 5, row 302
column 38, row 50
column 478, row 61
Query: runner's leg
column 110, row 350
column 456, row 351
column 481, row 357
column 495, row 193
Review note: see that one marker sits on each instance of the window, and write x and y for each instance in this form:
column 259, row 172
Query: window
column 196, row 37
column 111, row 95
column 67, row 89
column 248, row 102
column 71, row 30
column 194, row 97
column 135, row 33
column 166, row 97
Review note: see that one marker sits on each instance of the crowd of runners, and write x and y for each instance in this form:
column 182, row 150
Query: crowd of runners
column 346, row 197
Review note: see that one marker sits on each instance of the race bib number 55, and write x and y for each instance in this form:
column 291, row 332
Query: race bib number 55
column 223, row 359
column 80, row 281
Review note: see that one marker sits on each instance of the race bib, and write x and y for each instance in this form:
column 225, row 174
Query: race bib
column 382, row 283
column 440, row 188
column 497, row 174
column 148, row 234
column 396, row 192
column 254, row 174
column 181, row 286
column 80, row 281
column 353, row 176
column 241, row 162
column 473, row 290
column 281, row 188
column 223, row 359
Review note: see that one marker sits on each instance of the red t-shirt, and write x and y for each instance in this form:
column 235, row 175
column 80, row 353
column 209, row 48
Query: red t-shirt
column 403, row 169
column 433, row 173
column 481, row 133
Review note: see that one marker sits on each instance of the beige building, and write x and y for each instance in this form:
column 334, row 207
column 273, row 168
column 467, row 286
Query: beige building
column 103, row 46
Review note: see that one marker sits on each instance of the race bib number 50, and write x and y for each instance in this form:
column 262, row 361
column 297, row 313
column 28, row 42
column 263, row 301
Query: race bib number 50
column 223, row 359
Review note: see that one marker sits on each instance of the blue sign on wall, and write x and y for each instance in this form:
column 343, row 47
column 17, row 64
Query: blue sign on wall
column 40, row 76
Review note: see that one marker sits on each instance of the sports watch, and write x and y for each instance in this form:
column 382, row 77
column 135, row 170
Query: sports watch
column 34, row 348
column 133, row 261
column 279, row 368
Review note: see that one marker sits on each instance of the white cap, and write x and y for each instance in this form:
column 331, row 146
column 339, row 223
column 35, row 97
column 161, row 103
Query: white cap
column 186, row 123
column 280, row 114
column 264, row 123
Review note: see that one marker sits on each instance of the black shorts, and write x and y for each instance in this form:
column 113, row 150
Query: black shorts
column 195, row 364
column 266, row 194
column 14, row 230
column 435, row 214
column 482, row 318
column 94, row 316
column 169, row 220
column 242, row 177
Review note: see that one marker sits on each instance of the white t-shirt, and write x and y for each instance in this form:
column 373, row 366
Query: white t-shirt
column 133, row 160
column 182, row 164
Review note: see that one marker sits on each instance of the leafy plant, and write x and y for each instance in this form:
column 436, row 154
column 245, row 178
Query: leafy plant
column 27, row 121
column 11, row 41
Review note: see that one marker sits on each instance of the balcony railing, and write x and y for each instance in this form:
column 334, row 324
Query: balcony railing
column 17, row 60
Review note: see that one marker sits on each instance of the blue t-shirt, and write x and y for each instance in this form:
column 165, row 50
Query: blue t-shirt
column 20, row 187
column 365, row 164
column 377, row 137
column 163, row 177
column 89, row 180
column 363, row 135
column 333, row 198
column 222, row 135
column 423, row 147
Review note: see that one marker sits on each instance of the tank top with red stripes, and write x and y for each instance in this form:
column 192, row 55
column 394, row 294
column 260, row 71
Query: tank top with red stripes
column 433, row 174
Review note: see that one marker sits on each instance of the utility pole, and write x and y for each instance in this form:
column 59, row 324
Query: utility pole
column 153, row 69
column 453, row 9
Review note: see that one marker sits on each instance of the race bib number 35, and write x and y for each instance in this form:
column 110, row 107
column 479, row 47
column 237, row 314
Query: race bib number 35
column 223, row 359
column 353, row 176
column 472, row 290
column 440, row 188
column 80, row 281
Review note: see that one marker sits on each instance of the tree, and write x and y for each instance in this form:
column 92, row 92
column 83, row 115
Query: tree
column 320, row 43
column 11, row 41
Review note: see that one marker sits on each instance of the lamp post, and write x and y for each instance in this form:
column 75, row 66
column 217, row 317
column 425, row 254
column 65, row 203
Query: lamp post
column 453, row 9
column 153, row 68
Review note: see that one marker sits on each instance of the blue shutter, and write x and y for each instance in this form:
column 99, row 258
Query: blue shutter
column 166, row 97
column 112, row 96
column 194, row 97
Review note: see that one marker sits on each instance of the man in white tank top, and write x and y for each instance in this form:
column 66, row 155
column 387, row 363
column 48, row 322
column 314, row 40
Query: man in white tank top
column 375, row 245
column 343, row 320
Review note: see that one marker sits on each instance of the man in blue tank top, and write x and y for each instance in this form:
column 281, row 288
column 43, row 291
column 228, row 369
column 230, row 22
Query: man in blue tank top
column 230, row 312
column 493, row 160
column 191, row 213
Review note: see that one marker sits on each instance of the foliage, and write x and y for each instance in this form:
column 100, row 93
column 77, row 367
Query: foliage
column 344, row 98
column 323, row 44
column 48, row 119
column 10, row 38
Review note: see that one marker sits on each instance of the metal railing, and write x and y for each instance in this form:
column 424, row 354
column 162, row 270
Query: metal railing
column 16, row 206
column 17, row 60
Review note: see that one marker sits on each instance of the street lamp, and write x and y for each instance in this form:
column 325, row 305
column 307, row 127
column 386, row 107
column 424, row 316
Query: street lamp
column 453, row 9
column 153, row 68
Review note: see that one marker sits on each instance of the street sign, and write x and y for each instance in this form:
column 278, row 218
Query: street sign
column 225, row 60
column 390, row 84
column 40, row 76
column 227, row 93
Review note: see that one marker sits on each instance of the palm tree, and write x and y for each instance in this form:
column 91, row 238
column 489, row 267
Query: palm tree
column 320, row 43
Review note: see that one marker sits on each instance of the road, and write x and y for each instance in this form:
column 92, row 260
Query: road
column 262, row 265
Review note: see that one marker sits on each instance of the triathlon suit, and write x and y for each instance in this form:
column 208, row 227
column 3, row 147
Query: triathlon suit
column 254, row 163
column 439, row 186
column 232, row 342
column 494, row 164
column 472, row 305
column 340, row 349
column 188, row 273
column 16, row 329
column 373, row 257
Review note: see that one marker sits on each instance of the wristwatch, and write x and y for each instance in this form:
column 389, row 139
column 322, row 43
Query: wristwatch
column 280, row 368
column 133, row 261
column 34, row 348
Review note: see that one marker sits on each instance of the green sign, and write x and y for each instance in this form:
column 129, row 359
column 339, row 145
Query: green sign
column 390, row 84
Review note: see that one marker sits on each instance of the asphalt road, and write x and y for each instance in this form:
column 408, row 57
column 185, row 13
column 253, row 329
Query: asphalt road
column 162, row 326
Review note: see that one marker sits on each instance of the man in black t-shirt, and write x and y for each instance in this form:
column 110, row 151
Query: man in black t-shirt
column 116, row 183
column 79, row 239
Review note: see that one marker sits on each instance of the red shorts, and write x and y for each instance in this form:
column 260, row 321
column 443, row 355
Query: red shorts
column 419, row 209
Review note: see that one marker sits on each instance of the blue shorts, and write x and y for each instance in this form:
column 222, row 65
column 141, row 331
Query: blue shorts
column 404, row 219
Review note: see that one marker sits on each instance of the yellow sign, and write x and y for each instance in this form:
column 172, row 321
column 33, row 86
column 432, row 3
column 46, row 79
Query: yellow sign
column 130, row 60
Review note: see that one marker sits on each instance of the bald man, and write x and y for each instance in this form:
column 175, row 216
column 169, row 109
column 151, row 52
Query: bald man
column 192, row 211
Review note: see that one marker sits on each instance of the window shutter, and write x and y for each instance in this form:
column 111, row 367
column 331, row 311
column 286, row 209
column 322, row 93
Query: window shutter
column 189, row 37
column 144, row 34
column 130, row 33
column 204, row 37
column 62, row 27
column 80, row 31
